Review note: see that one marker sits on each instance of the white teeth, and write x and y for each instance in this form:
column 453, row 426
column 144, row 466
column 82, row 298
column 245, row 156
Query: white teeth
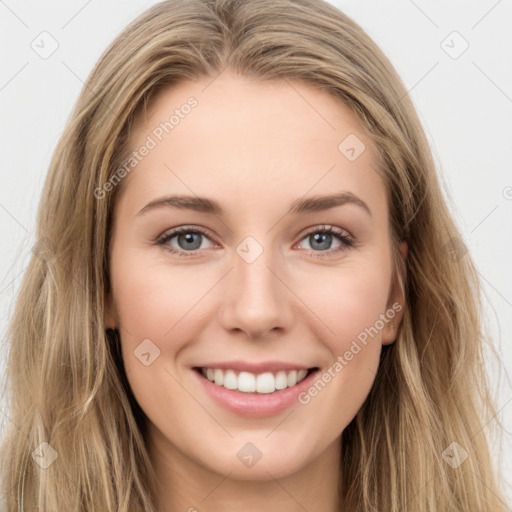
column 230, row 380
column 292, row 378
column 247, row 382
column 218, row 376
column 265, row 383
column 281, row 380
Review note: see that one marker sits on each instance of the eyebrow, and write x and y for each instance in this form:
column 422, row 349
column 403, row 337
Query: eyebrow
column 299, row 206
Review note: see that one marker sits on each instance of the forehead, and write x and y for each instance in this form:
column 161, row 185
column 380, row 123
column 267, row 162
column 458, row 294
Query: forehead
column 251, row 138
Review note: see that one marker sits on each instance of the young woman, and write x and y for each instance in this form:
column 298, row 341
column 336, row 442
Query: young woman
column 247, row 289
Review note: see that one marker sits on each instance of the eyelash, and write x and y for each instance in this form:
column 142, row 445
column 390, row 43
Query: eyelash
column 346, row 241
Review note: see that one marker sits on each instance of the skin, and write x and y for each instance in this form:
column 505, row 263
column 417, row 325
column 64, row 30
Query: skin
column 254, row 147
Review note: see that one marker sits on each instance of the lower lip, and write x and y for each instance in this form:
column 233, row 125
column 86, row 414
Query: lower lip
column 255, row 404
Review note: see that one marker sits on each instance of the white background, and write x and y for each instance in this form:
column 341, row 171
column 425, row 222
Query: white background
column 465, row 104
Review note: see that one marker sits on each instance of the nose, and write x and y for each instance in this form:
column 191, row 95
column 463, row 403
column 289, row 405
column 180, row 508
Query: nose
column 257, row 299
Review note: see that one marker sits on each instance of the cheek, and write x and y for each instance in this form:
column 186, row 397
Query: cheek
column 351, row 306
column 155, row 302
column 152, row 299
column 358, row 298
column 349, row 301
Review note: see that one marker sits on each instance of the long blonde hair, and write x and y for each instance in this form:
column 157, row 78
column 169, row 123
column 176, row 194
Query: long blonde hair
column 67, row 385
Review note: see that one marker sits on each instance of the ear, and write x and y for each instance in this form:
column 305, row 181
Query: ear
column 396, row 300
column 110, row 316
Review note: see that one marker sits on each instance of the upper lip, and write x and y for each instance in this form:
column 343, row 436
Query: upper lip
column 256, row 368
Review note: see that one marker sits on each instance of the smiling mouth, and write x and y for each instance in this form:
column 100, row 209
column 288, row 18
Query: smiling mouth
column 247, row 382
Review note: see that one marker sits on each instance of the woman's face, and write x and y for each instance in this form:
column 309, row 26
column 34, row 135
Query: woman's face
column 267, row 280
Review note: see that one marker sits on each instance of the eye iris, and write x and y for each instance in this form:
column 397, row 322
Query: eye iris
column 190, row 238
column 323, row 238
